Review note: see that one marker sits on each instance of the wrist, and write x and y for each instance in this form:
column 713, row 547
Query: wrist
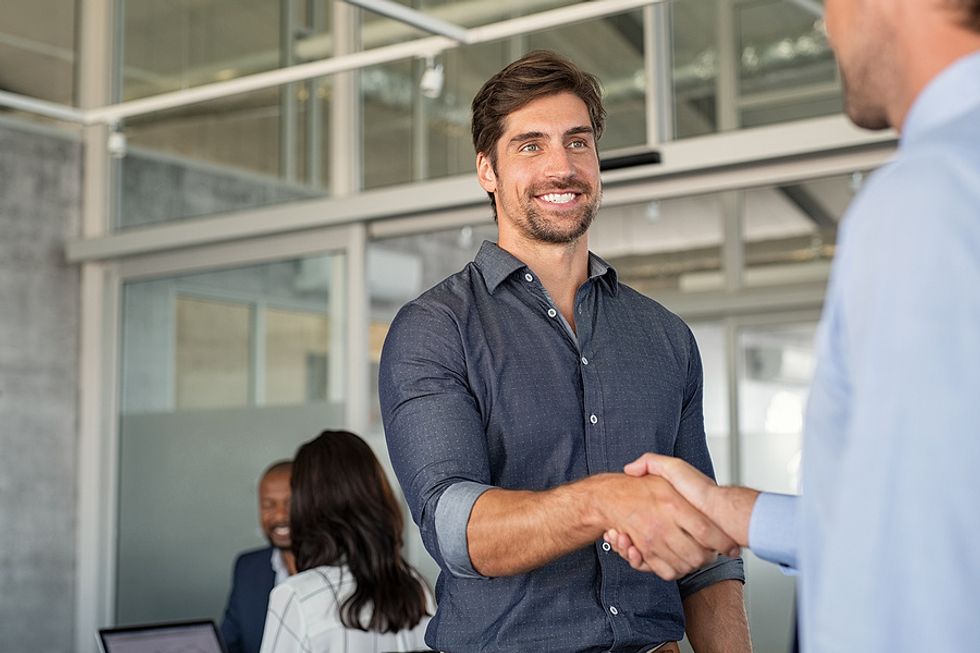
column 731, row 508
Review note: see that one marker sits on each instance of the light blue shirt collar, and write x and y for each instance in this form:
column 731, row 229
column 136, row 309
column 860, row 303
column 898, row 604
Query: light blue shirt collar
column 950, row 94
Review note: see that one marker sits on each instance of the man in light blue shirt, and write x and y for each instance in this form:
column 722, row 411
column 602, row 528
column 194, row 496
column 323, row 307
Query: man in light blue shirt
column 886, row 531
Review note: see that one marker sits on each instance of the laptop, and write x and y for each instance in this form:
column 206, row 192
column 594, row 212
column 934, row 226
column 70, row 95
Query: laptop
column 175, row 637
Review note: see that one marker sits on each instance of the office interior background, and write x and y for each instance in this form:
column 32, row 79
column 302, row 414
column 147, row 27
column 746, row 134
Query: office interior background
column 210, row 210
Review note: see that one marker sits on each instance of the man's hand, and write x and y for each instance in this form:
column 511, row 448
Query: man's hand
column 730, row 508
column 671, row 536
column 510, row 531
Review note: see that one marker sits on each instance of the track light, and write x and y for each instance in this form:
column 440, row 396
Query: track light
column 432, row 79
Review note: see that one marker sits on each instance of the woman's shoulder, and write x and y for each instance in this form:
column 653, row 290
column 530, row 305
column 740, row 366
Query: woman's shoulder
column 317, row 580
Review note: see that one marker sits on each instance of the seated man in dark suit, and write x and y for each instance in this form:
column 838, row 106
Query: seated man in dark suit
column 258, row 571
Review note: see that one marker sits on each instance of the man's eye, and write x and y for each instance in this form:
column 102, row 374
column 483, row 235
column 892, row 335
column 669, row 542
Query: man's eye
column 577, row 144
column 530, row 147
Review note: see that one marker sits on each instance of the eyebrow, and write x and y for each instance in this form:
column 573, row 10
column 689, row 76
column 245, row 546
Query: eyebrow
column 525, row 136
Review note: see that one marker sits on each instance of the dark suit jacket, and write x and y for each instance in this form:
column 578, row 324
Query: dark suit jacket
column 244, row 618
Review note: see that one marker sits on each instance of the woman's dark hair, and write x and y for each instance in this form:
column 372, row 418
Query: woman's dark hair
column 535, row 75
column 343, row 511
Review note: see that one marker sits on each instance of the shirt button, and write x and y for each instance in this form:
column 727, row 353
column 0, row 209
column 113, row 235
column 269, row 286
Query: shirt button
column 585, row 361
column 528, row 277
column 613, row 610
column 593, row 419
column 606, row 546
column 552, row 312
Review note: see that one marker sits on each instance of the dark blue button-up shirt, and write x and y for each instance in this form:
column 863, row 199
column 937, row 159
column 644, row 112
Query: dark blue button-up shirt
column 484, row 384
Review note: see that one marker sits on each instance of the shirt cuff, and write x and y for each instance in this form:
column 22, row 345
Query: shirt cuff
column 723, row 568
column 452, row 516
column 772, row 529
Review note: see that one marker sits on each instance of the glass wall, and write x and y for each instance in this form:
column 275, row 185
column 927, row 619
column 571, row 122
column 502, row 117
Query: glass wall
column 746, row 63
column 245, row 151
column 37, row 49
column 223, row 373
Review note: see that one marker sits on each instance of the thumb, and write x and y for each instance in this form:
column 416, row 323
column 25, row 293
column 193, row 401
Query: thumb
column 648, row 463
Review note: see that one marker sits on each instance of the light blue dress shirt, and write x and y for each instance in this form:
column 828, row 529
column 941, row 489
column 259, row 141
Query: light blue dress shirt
column 889, row 519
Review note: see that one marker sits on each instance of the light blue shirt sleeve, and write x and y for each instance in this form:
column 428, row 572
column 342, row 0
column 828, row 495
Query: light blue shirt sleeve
column 773, row 534
column 452, row 516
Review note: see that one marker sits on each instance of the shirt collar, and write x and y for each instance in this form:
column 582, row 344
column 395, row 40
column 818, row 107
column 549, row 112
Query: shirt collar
column 279, row 566
column 496, row 265
column 950, row 94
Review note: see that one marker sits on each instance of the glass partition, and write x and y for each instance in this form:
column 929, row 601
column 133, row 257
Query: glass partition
column 777, row 363
column 37, row 49
column 746, row 63
column 664, row 245
column 223, row 372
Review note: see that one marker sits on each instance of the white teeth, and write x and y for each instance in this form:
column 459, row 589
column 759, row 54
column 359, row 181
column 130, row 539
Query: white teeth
column 558, row 198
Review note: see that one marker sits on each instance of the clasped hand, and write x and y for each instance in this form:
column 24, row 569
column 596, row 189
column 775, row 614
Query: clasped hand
column 689, row 520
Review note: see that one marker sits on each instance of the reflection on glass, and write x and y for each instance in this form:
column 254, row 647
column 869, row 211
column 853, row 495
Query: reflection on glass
column 790, row 231
column 296, row 357
column 212, row 364
column 658, row 246
column 168, row 46
column 37, row 49
column 224, row 155
column 223, row 372
column 784, row 68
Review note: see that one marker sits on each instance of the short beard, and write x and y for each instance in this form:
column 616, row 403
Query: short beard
column 539, row 228
column 862, row 113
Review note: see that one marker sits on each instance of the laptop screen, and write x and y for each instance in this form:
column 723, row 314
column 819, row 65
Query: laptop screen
column 184, row 637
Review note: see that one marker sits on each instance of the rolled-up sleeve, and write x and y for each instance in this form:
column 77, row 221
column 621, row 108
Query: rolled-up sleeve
column 434, row 430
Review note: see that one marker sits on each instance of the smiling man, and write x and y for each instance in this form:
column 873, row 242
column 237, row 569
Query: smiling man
column 257, row 572
column 512, row 391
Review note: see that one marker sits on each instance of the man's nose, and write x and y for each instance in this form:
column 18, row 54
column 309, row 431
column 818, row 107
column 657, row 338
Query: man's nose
column 559, row 163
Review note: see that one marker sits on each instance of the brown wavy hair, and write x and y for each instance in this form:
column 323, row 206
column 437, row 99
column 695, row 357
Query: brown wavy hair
column 343, row 511
column 537, row 74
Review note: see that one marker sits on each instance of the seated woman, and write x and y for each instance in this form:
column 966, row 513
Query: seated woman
column 354, row 592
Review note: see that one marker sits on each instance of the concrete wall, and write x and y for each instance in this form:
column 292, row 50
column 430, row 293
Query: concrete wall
column 40, row 186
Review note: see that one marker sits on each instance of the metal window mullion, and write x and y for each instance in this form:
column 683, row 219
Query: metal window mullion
column 345, row 108
column 658, row 68
column 97, row 475
column 257, row 354
column 358, row 327
column 287, row 97
column 733, row 372
column 733, row 244
column 726, row 99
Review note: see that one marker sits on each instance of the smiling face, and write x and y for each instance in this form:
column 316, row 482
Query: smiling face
column 546, row 178
column 274, row 507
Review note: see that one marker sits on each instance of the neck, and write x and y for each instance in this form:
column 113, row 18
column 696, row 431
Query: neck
column 947, row 41
column 561, row 268
column 289, row 559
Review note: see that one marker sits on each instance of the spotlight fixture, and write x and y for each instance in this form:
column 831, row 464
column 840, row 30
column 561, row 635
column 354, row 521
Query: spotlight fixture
column 116, row 142
column 432, row 79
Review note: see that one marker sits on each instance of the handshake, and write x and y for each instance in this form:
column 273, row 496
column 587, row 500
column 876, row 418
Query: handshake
column 679, row 521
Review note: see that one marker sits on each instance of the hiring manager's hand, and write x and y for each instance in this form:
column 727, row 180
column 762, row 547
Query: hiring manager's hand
column 730, row 508
column 670, row 536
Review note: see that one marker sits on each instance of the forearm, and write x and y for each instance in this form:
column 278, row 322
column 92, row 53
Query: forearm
column 513, row 531
column 716, row 620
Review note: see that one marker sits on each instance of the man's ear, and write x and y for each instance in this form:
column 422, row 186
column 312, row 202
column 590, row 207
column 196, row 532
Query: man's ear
column 485, row 173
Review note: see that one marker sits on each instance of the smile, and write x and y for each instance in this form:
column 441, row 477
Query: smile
column 558, row 198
